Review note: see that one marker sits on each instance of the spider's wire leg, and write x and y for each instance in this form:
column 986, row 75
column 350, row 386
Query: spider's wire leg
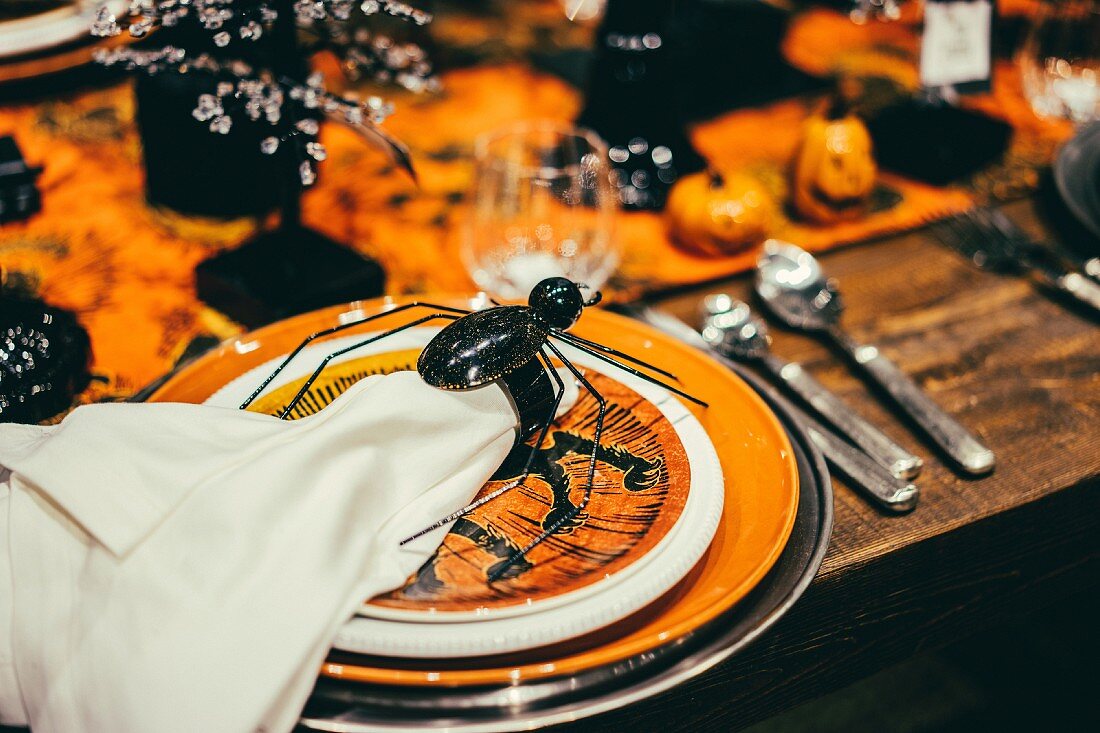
column 526, row 468
column 625, row 368
column 324, row 362
column 575, row 340
column 598, row 432
column 595, row 298
column 336, row 329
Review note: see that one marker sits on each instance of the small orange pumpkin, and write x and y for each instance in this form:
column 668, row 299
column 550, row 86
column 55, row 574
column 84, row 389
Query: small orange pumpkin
column 711, row 214
column 834, row 170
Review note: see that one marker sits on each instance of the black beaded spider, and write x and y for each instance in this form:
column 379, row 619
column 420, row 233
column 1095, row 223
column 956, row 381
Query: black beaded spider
column 479, row 347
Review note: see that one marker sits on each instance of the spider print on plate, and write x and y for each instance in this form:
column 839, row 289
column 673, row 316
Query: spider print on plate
column 639, row 492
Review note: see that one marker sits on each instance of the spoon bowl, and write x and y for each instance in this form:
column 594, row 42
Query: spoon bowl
column 730, row 327
column 791, row 283
column 793, row 286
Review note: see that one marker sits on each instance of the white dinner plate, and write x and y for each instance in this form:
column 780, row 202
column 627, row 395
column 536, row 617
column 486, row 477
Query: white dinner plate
column 53, row 27
column 449, row 634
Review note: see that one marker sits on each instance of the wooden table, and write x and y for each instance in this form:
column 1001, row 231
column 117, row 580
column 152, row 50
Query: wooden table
column 1015, row 366
column 1019, row 369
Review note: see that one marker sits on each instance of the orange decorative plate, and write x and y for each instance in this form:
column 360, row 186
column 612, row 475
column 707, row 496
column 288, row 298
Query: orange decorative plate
column 656, row 502
column 761, row 497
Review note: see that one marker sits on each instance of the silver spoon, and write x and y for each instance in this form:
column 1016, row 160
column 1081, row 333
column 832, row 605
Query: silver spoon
column 876, row 483
column 730, row 328
column 791, row 283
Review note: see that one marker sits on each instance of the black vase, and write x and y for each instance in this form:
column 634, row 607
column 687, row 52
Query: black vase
column 292, row 268
column 189, row 168
column 631, row 102
column 192, row 170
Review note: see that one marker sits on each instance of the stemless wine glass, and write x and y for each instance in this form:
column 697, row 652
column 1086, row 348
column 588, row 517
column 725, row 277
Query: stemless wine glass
column 1060, row 60
column 543, row 206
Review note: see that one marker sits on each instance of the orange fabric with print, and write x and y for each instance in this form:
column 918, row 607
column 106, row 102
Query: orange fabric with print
column 127, row 270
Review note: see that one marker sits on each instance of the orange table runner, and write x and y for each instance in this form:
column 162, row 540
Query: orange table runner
column 96, row 248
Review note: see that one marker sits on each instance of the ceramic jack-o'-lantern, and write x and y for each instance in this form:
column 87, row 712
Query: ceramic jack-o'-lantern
column 834, row 170
column 714, row 214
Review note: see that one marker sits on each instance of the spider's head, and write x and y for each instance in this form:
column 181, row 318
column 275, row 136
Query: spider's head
column 558, row 301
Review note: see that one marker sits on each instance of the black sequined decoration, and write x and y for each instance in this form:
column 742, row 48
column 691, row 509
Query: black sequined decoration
column 44, row 357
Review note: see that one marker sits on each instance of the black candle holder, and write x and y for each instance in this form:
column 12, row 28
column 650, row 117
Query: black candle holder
column 245, row 67
column 19, row 196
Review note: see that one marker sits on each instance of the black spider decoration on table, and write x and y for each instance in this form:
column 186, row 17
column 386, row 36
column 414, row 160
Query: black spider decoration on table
column 479, row 347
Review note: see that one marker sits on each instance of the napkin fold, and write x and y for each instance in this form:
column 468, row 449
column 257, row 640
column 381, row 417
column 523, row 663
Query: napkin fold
column 178, row 567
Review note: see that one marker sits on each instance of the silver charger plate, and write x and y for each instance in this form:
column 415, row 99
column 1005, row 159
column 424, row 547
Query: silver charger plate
column 349, row 707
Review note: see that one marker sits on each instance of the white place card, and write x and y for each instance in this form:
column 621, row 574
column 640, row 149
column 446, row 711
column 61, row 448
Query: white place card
column 956, row 47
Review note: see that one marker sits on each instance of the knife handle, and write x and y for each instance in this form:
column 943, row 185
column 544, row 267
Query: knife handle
column 872, row 480
column 965, row 450
column 888, row 454
column 1079, row 287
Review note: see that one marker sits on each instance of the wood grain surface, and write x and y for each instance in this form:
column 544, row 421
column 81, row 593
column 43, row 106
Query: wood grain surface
column 1020, row 369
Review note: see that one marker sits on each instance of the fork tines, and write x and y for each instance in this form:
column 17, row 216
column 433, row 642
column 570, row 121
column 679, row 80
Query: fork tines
column 989, row 238
column 984, row 236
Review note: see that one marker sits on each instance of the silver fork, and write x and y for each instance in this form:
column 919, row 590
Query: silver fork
column 1089, row 266
column 992, row 241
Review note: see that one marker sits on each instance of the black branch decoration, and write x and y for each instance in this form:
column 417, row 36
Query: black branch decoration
column 273, row 93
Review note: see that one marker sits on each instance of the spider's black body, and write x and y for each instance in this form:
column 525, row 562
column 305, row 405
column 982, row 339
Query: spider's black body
column 486, row 345
column 482, row 347
column 512, row 343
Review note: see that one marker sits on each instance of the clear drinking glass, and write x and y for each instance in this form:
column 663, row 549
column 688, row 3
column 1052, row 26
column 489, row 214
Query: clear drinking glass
column 543, row 205
column 1060, row 60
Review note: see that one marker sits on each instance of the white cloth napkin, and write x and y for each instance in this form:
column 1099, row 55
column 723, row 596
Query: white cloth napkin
column 173, row 567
